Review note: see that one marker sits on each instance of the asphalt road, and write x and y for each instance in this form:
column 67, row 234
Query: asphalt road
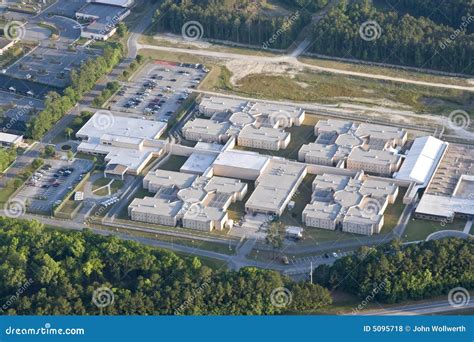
column 425, row 308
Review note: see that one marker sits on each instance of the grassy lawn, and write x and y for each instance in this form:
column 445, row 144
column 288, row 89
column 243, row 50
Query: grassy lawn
column 69, row 206
column 207, row 245
column 116, row 185
column 237, row 210
column 324, row 87
column 99, row 183
column 172, row 56
column 393, row 212
column 418, row 229
column 173, row 163
column 218, row 78
column 11, row 187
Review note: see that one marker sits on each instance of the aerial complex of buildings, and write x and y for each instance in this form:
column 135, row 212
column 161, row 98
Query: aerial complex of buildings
column 369, row 147
column 127, row 144
column 256, row 125
column 244, row 163
column 357, row 169
column 355, row 204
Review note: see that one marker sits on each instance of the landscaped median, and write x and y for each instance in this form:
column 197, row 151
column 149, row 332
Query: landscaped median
column 69, row 208
column 13, row 186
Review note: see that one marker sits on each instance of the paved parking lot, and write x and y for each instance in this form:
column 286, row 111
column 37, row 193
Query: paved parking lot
column 53, row 184
column 158, row 90
column 50, row 66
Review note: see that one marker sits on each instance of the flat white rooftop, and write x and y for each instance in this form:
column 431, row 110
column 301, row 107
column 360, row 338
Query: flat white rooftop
column 198, row 162
column 106, row 123
column 242, row 159
column 422, row 160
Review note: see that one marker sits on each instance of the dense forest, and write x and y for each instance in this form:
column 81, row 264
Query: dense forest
column 401, row 273
column 50, row 272
column 7, row 156
column 394, row 38
column 452, row 13
column 236, row 21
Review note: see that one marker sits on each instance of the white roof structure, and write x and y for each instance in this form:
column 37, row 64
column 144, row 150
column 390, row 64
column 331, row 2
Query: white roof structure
column 124, row 141
column 198, row 162
column 422, row 160
column 105, row 123
column 10, row 139
column 242, row 159
column 120, row 3
column 443, row 206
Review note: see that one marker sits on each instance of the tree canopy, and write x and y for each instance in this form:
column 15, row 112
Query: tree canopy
column 397, row 39
column 401, row 272
column 63, row 269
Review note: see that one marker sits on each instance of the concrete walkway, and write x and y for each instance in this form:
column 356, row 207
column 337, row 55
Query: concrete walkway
column 467, row 227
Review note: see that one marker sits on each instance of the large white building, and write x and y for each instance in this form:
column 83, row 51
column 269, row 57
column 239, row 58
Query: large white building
column 127, row 144
column 450, row 190
column 119, row 3
column 275, row 187
column 100, row 18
